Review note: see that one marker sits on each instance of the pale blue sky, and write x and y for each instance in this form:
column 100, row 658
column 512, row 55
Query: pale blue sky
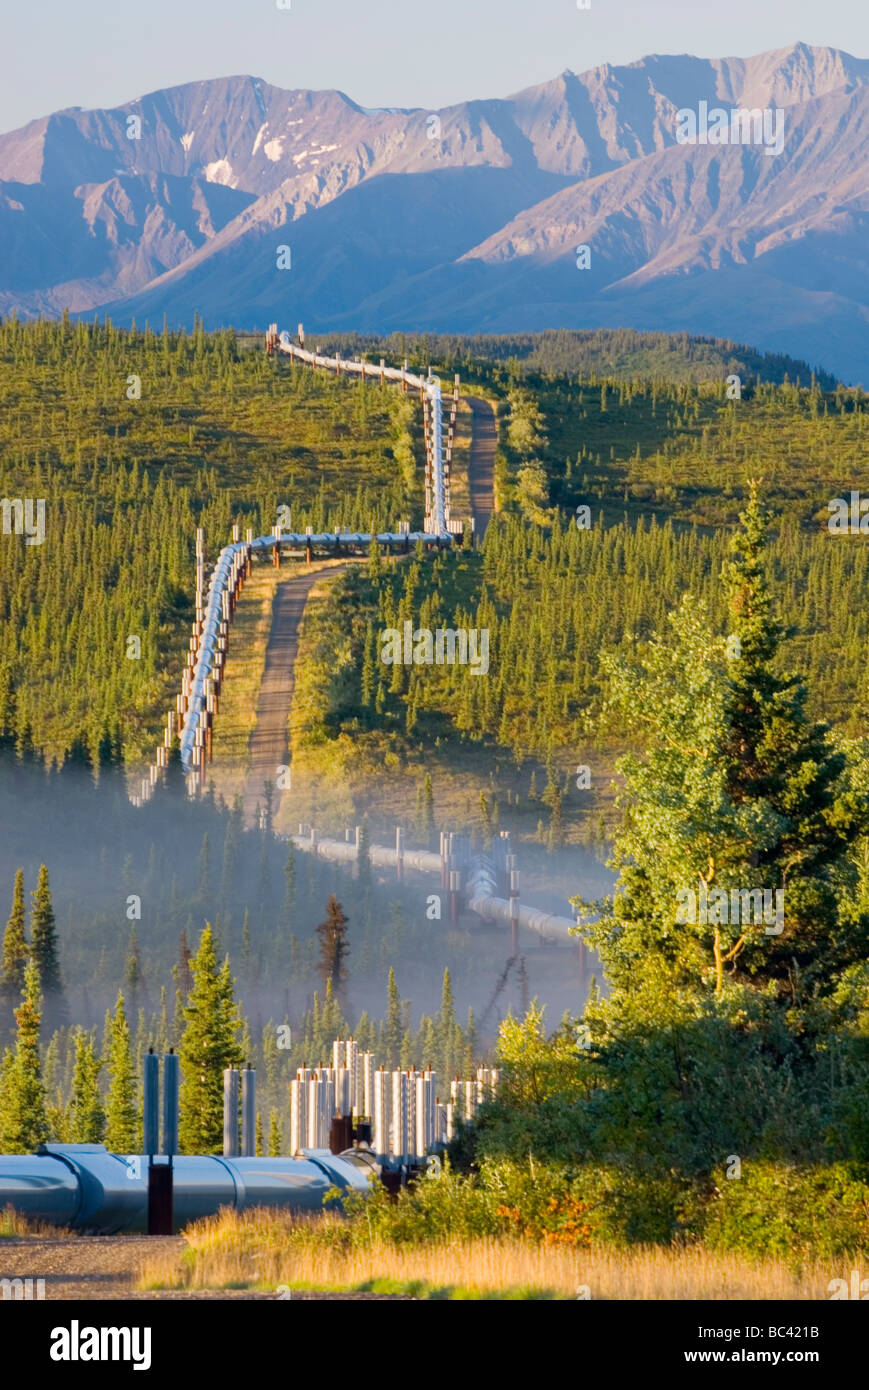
column 425, row 53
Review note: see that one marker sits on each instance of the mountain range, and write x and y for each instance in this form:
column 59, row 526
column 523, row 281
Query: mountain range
column 466, row 219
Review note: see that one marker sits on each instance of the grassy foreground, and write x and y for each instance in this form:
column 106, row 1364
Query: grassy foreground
column 276, row 1250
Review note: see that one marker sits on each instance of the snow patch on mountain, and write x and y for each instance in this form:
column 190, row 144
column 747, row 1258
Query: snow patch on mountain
column 220, row 171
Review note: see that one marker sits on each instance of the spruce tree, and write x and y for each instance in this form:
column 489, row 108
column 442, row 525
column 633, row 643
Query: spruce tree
column 736, row 791
column 427, row 809
column 15, row 949
column 133, row 978
column 275, row 1141
column 246, row 953
column 334, row 947
column 23, row 1120
column 779, row 759
column 182, row 972
column 446, row 1027
column 43, row 946
column 122, row 1119
column 87, row 1119
column 290, row 881
column 363, row 861
column 208, row 1046
column 392, row 1026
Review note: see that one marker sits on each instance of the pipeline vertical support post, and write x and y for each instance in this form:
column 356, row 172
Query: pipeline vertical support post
column 160, row 1204
column 200, row 572
column 399, row 1114
column 399, row 852
column 161, row 1176
column 230, row 1112
column 171, row 1089
column 455, row 882
column 248, row 1112
column 583, row 962
column 514, row 911
column 151, row 1104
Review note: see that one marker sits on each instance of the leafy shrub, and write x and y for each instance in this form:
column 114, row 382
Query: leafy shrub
column 777, row 1209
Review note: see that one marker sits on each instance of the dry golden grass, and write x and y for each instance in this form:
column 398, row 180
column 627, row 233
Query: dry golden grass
column 252, row 1249
column 13, row 1224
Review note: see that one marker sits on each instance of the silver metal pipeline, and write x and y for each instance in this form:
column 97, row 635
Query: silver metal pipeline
column 480, row 889
column 88, row 1188
column 481, row 898
column 346, row 852
column 431, row 388
column 224, row 575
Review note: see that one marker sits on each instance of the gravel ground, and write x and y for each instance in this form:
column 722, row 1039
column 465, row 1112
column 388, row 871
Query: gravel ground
column 105, row 1267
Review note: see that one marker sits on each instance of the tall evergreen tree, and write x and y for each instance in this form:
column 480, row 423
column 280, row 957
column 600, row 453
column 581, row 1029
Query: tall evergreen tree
column 208, row 1046
column 43, row 946
column 87, row 1118
column 183, row 975
column 290, row 881
column 122, row 1120
column 334, row 947
column 737, row 791
column 778, row 759
column 446, row 1028
column 15, row 949
column 23, row 1120
column 392, row 1025
column 133, row 977
column 427, row 809
column 363, row 861
column 246, row 952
